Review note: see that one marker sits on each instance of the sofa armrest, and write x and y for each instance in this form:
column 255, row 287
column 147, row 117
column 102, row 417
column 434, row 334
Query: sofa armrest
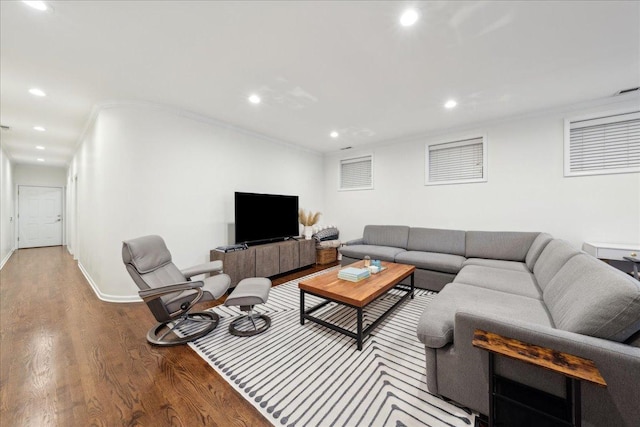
column 618, row 363
column 544, row 336
column 359, row 241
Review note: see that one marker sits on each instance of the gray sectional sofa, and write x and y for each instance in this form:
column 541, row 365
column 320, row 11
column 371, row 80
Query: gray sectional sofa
column 527, row 286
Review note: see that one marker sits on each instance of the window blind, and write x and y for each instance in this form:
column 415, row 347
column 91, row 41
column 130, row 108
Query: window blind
column 356, row 173
column 605, row 144
column 459, row 161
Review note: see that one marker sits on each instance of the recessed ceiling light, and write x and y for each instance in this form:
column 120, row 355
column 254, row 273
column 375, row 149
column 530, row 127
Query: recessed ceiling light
column 254, row 99
column 39, row 147
column 40, row 159
column 334, row 134
column 39, row 5
column 39, row 128
column 37, row 92
column 408, row 18
column 450, row 104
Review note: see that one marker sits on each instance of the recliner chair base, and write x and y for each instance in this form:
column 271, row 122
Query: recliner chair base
column 162, row 334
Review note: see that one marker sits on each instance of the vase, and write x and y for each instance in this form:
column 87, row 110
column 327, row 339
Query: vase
column 307, row 232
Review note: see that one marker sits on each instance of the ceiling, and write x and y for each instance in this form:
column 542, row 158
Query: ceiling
column 319, row 66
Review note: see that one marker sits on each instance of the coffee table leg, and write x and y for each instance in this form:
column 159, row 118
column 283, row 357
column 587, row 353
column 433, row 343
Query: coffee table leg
column 359, row 328
column 301, row 307
column 412, row 287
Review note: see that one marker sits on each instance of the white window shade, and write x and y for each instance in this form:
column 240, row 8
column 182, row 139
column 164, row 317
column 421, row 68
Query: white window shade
column 356, row 173
column 456, row 162
column 603, row 145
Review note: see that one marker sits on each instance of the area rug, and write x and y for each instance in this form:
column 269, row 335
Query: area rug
column 308, row 375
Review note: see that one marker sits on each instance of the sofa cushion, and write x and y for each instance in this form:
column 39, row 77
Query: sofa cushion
column 386, row 235
column 499, row 279
column 384, row 253
column 445, row 263
column 553, row 257
column 592, row 298
column 536, row 249
column 436, row 240
column 435, row 327
column 497, row 263
column 505, row 245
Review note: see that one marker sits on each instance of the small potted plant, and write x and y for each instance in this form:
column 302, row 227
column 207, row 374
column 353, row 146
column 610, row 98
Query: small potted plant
column 308, row 220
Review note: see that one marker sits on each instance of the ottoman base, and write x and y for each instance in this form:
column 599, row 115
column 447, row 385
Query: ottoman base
column 247, row 293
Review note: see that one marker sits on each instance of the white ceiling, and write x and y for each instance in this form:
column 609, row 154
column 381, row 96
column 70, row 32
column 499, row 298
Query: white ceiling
column 318, row 65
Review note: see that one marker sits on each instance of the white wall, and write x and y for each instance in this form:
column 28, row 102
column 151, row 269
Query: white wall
column 70, row 214
column 526, row 189
column 42, row 176
column 144, row 169
column 6, row 208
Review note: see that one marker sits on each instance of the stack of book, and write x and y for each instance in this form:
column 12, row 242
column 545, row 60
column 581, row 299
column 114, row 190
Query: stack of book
column 354, row 274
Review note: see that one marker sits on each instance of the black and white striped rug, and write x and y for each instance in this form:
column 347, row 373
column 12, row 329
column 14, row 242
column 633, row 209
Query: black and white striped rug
column 308, row 375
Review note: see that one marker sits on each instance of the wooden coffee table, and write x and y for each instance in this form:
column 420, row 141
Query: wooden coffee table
column 356, row 295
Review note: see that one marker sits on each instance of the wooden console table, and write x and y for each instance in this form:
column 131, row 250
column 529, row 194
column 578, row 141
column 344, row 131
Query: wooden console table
column 574, row 368
column 266, row 260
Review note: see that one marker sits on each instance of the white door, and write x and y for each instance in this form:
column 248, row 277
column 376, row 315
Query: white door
column 39, row 216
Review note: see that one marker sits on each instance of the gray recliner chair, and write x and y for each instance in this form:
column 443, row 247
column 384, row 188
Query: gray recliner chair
column 169, row 292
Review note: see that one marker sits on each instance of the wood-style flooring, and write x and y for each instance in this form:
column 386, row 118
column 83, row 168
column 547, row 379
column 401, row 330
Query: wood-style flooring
column 69, row 359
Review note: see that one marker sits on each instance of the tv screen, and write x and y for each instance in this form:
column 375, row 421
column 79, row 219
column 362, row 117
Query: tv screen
column 265, row 217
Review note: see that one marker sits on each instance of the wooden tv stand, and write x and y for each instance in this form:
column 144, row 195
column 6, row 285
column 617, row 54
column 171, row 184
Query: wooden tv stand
column 266, row 260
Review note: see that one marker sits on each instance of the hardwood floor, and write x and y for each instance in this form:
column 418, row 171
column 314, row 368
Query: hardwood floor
column 69, row 359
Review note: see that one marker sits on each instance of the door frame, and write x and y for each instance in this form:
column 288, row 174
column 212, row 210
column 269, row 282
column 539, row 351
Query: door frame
column 63, row 201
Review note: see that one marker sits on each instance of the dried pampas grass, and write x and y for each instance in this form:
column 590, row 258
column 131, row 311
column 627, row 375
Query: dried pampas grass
column 308, row 219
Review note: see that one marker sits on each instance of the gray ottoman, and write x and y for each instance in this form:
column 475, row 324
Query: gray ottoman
column 249, row 292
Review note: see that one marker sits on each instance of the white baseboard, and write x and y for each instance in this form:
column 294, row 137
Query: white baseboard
column 72, row 253
column 5, row 259
column 107, row 297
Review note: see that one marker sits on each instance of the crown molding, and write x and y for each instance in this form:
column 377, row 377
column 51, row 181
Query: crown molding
column 111, row 104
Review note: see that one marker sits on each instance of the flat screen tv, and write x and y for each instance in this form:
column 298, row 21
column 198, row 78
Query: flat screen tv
column 265, row 217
